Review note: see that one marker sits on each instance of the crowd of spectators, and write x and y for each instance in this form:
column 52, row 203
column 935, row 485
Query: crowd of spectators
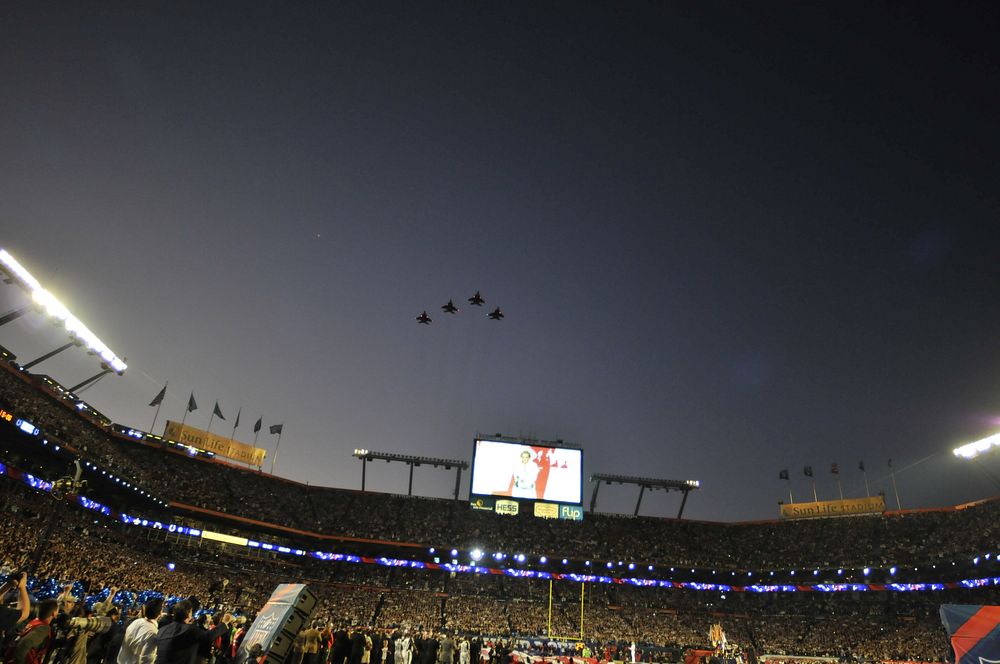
column 96, row 554
column 903, row 539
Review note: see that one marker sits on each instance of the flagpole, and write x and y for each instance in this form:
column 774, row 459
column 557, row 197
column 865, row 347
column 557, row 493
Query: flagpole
column 790, row 499
column 212, row 417
column 840, row 488
column 152, row 427
column 187, row 409
column 868, row 492
column 157, row 413
column 815, row 495
column 232, row 436
column 275, row 457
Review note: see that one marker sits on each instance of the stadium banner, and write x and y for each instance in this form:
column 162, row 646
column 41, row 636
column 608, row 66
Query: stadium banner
column 572, row 512
column 210, row 442
column 481, row 503
column 547, row 510
column 824, row 508
column 508, row 507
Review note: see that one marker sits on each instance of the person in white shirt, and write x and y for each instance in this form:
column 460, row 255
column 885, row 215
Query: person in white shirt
column 525, row 473
column 139, row 642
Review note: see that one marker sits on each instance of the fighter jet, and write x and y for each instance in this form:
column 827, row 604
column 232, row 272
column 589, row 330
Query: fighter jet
column 424, row 319
column 477, row 300
column 496, row 314
column 450, row 308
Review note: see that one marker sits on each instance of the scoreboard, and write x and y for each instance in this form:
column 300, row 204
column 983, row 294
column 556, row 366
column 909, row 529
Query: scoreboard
column 511, row 477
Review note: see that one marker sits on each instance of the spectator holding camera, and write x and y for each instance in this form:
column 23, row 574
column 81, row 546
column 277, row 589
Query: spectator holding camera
column 11, row 618
column 33, row 644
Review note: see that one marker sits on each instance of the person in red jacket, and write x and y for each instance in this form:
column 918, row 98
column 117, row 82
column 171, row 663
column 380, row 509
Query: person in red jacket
column 33, row 644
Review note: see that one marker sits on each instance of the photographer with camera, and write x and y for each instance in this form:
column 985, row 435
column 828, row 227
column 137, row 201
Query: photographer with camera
column 11, row 618
column 32, row 646
column 73, row 629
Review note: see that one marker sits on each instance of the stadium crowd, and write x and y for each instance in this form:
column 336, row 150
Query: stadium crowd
column 92, row 554
column 899, row 539
column 107, row 563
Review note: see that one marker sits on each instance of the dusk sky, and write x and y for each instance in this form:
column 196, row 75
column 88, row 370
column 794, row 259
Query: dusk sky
column 728, row 238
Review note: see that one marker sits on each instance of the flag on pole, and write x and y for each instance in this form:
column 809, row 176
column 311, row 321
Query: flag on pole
column 783, row 474
column 192, row 406
column 158, row 399
column 861, row 465
column 276, row 428
column 835, row 469
column 256, row 427
column 890, row 463
column 974, row 632
column 808, row 471
column 237, row 419
column 218, row 413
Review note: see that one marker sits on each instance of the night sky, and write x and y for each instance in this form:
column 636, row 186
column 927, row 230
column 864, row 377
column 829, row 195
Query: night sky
column 728, row 238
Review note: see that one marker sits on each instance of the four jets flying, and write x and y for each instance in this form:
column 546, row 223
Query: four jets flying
column 476, row 300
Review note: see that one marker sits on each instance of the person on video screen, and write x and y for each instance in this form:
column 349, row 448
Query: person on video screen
column 524, row 476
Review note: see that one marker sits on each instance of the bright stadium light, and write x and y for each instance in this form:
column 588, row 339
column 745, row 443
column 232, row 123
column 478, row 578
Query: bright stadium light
column 56, row 310
column 972, row 450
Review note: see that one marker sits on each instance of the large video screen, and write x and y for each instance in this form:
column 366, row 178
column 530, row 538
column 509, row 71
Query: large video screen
column 527, row 471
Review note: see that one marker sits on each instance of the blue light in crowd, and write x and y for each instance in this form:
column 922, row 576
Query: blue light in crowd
column 476, row 554
column 866, row 571
column 543, row 560
column 454, row 552
column 431, row 550
column 171, row 566
column 892, row 570
column 27, row 427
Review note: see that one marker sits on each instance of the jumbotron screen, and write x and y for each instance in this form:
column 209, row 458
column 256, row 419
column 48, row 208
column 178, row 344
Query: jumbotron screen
column 527, row 471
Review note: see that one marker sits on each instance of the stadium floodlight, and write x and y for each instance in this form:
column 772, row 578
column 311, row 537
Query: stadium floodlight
column 684, row 486
column 77, row 331
column 972, row 450
column 366, row 455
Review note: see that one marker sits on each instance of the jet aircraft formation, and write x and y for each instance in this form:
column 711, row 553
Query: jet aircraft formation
column 476, row 300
